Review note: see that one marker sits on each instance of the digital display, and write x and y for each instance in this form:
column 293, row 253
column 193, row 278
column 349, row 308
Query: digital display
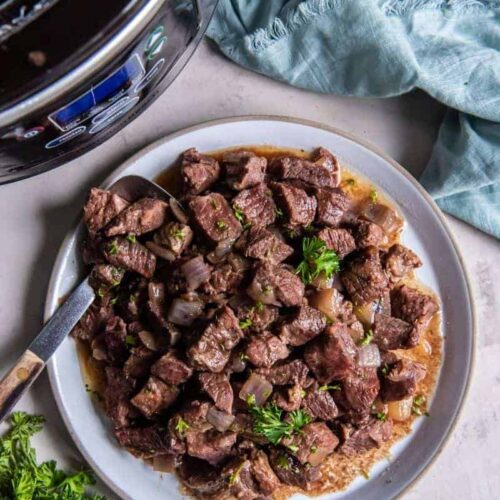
column 82, row 108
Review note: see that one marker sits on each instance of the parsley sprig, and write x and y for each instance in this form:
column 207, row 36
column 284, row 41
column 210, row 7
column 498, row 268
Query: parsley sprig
column 318, row 260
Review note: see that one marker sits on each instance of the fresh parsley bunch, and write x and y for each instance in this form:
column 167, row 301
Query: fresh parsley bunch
column 318, row 260
column 22, row 478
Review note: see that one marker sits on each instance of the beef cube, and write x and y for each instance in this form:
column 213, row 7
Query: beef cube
column 399, row 262
column 131, row 255
column 142, row 442
column 139, row 362
column 314, row 443
column 244, row 169
column 214, row 217
column 332, row 355
column 101, row 207
column 320, row 404
column 256, row 206
column 291, row 373
column 173, row 236
column 366, row 437
column 225, row 279
column 212, row 446
column 194, row 413
column 143, row 216
column 360, row 389
column 364, row 278
column 200, row 477
column 320, row 174
column 266, row 246
column 92, row 322
column 340, row 241
column 114, row 337
column 171, row 369
column 305, row 324
column 402, row 380
column 198, row 171
column 290, row 471
column 289, row 398
column 106, row 276
column 217, row 386
column 117, row 393
column 259, row 316
column 332, row 205
column 393, row 333
column 263, row 473
column 265, row 349
column 298, row 207
column 212, row 351
column 368, row 234
column 242, row 484
column 277, row 286
column 154, row 397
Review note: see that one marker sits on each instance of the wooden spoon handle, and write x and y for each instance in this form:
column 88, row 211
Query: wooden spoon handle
column 17, row 380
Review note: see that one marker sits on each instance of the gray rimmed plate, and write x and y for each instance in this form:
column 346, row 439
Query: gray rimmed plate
column 426, row 232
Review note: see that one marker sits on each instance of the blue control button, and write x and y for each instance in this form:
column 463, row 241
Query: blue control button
column 62, row 139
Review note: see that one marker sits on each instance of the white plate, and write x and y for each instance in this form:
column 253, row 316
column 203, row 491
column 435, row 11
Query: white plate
column 426, row 233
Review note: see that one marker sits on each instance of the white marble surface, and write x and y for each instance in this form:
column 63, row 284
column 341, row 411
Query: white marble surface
column 36, row 213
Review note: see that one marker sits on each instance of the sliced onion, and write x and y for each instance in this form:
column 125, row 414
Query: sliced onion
column 179, row 214
column 164, row 463
column 149, row 340
column 366, row 314
column 256, row 292
column 220, row 419
column 184, row 312
column 99, row 354
column 257, row 386
column 160, row 251
column 329, row 302
column 237, row 364
column 156, row 292
column 238, row 262
column 387, row 218
column 196, row 272
column 400, row 410
column 369, row 356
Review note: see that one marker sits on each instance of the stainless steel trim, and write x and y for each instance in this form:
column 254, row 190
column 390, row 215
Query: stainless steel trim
column 105, row 54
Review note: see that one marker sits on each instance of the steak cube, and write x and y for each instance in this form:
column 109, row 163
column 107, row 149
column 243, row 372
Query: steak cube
column 224, row 279
column 265, row 245
column 117, row 393
column 288, row 398
column 154, row 397
column 171, row 369
column 214, row 217
column 402, row 380
column 256, row 206
column 413, row 306
column 174, row 236
column 339, row 240
column 291, row 471
column 139, row 362
column 142, row 442
column 217, row 386
column 198, row 171
column 299, row 208
column 263, row 473
column 320, row 404
column 257, row 314
column 399, row 262
column 106, row 276
column 101, row 207
column 122, row 252
column 393, row 333
column 368, row 234
column 360, row 389
column 212, row 446
column 265, row 349
column 291, row 373
column 306, row 324
column 366, row 437
column 325, row 158
column 244, row 169
column 320, row 174
column 332, row 205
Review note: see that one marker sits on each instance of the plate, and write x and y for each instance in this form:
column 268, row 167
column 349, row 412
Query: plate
column 426, row 233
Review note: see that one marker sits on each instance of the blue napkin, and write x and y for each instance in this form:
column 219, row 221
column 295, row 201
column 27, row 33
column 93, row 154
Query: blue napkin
column 382, row 48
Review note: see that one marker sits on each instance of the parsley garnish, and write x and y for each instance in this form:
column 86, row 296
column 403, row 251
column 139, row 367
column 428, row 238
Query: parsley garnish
column 314, row 449
column 101, row 292
column 259, row 306
column 245, row 323
column 130, row 340
column 236, row 474
column 373, row 196
column 181, row 426
column 334, row 387
column 283, row 462
column 243, row 356
column 220, row 224
column 132, row 238
column 279, row 213
column 293, row 448
column 113, row 248
column 385, row 369
column 238, row 213
column 418, row 402
column 381, row 416
column 318, row 259
column 368, row 337
column 178, row 234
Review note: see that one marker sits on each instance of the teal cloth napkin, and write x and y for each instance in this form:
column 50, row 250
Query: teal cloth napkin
column 382, row 48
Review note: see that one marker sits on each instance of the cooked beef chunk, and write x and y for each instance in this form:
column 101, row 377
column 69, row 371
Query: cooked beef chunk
column 154, row 397
column 360, row 389
column 293, row 372
column 263, row 473
column 155, row 307
column 314, row 443
column 276, row 285
column 143, row 442
column 320, row 404
column 106, row 276
column 320, row 174
column 288, row 398
column 368, row 436
column 198, row 171
column 212, row 446
column 331, row 356
column 122, row 252
column 339, row 240
column 402, row 379
column 259, row 316
column 266, row 246
column 174, row 236
column 217, row 386
column 364, row 278
column 244, row 169
column 194, row 414
column 399, row 261
column 114, row 337
column 117, row 393
column 211, row 352
column 303, row 326
column 332, row 205
column 265, row 349
column 298, row 207
column 171, row 369
column 367, row 234
column 143, row 216
column 200, row 477
column 139, row 362
column 241, row 483
column 101, row 208
column 256, row 206
column 393, row 333
column 225, row 279
column 92, row 322
column 214, row 217
column 290, row 471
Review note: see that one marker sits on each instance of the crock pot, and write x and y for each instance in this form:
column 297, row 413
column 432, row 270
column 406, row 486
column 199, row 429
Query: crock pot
column 74, row 72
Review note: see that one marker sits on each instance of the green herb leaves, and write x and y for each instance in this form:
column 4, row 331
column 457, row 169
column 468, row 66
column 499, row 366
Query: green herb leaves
column 334, row 387
column 181, row 426
column 22, row 478
column 418, row 407
column 318, row 260
column 368, row 337
column 245, row 323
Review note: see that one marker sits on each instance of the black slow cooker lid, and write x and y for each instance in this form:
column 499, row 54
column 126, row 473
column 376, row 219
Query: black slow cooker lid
column 45, row 39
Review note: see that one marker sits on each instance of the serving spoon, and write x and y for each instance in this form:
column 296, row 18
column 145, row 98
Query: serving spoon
column 31, row 363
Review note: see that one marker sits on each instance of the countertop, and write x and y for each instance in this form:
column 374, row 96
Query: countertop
column 36, row 213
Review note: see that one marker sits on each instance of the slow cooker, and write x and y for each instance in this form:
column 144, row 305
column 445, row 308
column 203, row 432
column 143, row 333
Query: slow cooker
column 74, row 72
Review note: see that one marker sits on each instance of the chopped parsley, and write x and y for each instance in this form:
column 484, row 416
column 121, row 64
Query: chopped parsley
column 236, row 474
column 220, row 224
column 132, row 238
column 334, row 387
column 240, row 216
column 114, row 300
column 385, row 369
column 314, row 449
column 214, row 204
column 101, row 292
column 259, row 306
column 176, row 233
column 282, row 462
column 368, row 337
column 181, row 426
column 245, row 323
column 382, row 416
column 318, row 260
column 293, row 448
column 418, row 406
column 279, row 213
column 243, row 356
column 373, row 196
column 113, row 248
column 130, row 340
